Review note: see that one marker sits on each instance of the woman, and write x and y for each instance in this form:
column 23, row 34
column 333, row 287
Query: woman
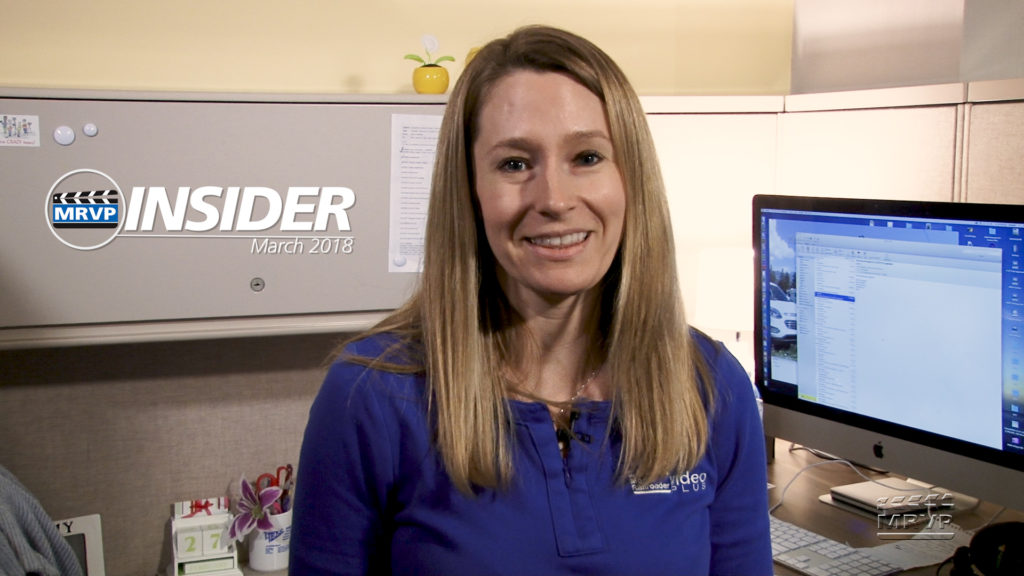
column 539, row 406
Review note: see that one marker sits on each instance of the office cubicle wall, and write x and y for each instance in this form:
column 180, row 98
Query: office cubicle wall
column 995, row 130
column 133, row 217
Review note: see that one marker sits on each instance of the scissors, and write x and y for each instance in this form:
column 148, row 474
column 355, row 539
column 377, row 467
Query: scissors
column 281, row 478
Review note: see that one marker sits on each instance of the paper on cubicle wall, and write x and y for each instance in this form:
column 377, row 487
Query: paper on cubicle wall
column 19, row 130
column 413, row 147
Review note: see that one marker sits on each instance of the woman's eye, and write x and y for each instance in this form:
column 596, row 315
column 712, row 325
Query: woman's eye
column 512, row 165
column 589, row 158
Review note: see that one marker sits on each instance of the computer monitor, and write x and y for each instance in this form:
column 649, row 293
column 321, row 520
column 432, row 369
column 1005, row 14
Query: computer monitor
column 891, row 333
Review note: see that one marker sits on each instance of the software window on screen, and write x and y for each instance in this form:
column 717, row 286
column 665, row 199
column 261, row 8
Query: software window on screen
column 896, row 331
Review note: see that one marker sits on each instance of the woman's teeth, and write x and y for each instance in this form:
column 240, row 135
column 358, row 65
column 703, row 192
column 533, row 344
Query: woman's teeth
column 556, row 241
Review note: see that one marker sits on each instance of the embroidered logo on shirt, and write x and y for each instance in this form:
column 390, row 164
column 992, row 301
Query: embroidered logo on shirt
column 684, row 483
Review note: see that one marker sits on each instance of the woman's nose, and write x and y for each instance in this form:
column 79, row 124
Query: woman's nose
column 553, row 191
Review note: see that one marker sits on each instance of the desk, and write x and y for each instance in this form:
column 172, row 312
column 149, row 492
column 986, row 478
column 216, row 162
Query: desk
column 802, row 507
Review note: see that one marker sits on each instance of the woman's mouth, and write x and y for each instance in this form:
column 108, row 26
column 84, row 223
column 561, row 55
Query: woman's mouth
column 559, row 241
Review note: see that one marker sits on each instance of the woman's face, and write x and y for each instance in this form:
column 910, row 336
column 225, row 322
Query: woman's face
column 550, row 192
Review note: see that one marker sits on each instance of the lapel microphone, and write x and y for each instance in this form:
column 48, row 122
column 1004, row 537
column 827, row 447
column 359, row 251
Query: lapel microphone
column 567, row 435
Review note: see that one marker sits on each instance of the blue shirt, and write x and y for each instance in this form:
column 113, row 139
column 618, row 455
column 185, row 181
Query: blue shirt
column 372, row 495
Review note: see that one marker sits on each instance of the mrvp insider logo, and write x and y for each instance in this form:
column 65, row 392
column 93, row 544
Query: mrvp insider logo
column 86, row 210
column 83, row 209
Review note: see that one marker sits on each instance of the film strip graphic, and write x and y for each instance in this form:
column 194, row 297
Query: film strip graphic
column 86, row 209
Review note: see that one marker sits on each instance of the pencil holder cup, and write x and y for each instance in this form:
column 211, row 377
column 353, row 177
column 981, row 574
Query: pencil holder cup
column 268, row 551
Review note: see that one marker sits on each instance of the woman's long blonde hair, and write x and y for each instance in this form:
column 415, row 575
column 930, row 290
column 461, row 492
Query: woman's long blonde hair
column 459, row 329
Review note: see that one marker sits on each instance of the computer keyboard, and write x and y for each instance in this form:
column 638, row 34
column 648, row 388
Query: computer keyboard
column 813, row 554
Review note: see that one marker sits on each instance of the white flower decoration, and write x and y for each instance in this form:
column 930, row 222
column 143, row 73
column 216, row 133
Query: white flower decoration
column 430, row 44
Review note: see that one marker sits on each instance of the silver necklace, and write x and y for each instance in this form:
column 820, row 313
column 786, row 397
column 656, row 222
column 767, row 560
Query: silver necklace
column 576, row 396
column 563, row 427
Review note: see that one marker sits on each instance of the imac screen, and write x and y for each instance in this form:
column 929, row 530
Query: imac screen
column 892, row 332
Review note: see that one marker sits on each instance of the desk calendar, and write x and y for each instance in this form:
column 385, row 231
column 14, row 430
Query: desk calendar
column 199, row 539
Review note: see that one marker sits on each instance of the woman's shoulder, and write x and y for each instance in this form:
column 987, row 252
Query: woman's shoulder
column 725, row 369
column 711, row 351
column 382, row 350
column 382, row 363
column 370, row 345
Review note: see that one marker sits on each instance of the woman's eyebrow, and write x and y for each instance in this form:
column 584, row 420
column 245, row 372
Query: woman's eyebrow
column 588, row 135
column 528, row 144
column 515, row 143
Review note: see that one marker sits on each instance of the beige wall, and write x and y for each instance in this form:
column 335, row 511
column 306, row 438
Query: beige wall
column 331, row 46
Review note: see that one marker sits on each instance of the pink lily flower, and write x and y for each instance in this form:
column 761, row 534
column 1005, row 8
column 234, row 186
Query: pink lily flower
column 254, row 510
